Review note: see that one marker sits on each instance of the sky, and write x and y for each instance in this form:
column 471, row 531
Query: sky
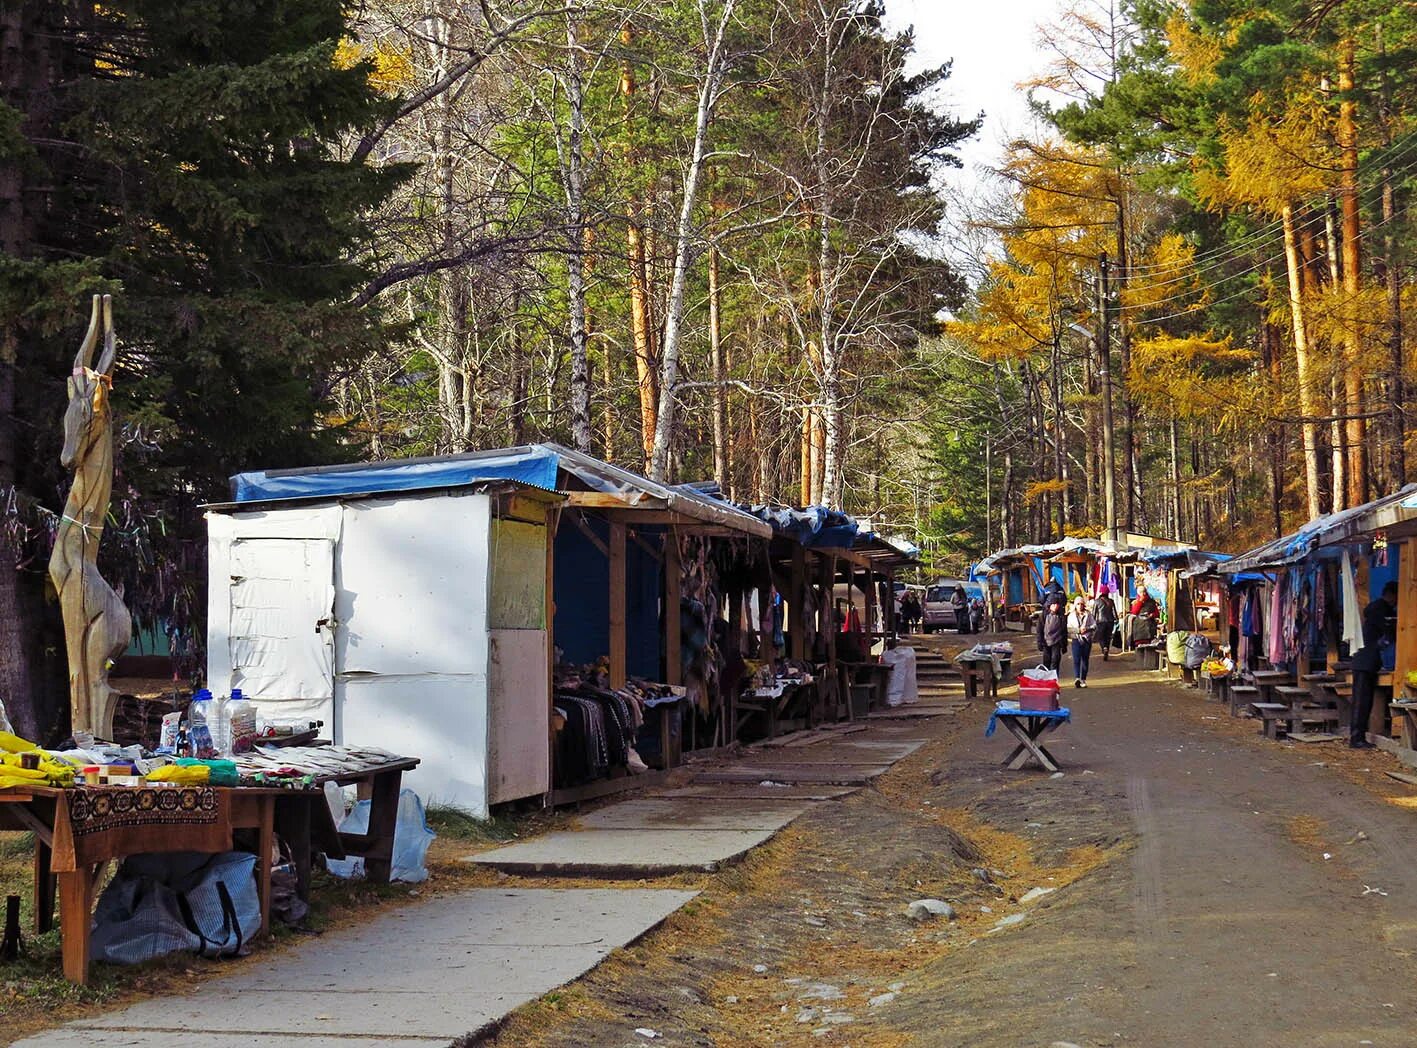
column 992, row 45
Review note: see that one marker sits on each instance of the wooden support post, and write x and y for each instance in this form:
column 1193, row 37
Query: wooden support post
column 797, row 621
column 617, row 605
column 766, row 652
column 553, row 522
column 870, row 623
column 1406, row 651
column 829, row 571
column 673, row 581
column 75, row 909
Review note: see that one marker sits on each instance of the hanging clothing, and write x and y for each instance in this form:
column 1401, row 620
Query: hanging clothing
column 1352, row 614
column 1275, row 636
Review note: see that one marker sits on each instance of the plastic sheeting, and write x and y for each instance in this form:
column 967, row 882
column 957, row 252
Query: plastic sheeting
column 812, row 526
column 1332, row 529
column 535, row 465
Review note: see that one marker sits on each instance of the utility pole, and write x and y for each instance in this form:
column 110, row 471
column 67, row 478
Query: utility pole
column 1104, row 372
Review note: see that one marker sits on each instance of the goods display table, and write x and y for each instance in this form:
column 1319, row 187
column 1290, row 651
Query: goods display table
column 1028, row 727
column 79, row 830
column 305, row 824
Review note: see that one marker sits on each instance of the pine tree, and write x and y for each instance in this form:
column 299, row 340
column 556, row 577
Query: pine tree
column 182, row 154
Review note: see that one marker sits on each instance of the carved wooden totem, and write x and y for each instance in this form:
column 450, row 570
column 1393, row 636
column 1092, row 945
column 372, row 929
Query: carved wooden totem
column 97, row 627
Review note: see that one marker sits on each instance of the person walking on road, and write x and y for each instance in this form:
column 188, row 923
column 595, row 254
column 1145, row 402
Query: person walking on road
column 1104, row 610
column 1082, row 624
column 1379, row 633
column 1053, row 628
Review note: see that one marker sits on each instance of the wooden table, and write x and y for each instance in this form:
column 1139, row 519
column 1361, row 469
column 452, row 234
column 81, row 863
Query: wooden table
column 1404, row 713
column 1028, row 727
column 773, row 703
column 303, row 820
column 44, row 811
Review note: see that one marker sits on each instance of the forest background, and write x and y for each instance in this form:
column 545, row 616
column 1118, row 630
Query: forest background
column 702, row 239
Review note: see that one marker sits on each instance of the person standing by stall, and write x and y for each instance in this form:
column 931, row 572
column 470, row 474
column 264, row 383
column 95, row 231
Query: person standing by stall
column 1104, row 610
column 1379, row 635
column 1053, row 628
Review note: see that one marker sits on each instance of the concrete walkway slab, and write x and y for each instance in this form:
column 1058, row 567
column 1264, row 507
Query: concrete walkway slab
column 623, row 853
column 728, row 791
column 782, row 771
column 76, row 1038
column 670, row 814
column 425, row 974
column 913, row 713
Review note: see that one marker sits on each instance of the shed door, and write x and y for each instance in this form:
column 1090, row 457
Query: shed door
column 282, row 622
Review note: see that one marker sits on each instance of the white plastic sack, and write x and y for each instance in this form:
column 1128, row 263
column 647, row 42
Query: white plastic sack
column 411, row 840
column 1039, row 675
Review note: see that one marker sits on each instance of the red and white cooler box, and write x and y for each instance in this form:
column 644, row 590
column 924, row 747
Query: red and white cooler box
column 1038, row 689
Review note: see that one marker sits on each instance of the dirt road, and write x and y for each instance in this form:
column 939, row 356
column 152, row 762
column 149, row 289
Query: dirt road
column 1210, row 888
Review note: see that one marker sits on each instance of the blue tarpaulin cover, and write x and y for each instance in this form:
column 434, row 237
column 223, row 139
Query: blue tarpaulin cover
column 1065, row 714
column 812, row 526
column 535, row 466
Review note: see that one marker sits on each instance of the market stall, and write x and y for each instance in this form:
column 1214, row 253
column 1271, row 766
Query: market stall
column 833, row 579
column 400, row 601
column 1304, row 619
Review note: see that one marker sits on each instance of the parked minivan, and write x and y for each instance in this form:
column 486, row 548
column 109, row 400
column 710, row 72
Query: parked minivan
column 939, row 612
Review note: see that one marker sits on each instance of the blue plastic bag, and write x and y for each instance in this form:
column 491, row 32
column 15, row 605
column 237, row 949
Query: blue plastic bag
column 411, row 840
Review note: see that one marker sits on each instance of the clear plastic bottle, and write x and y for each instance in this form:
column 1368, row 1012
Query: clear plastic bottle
column 199, row 715
column 221, row 741
column 240, row 721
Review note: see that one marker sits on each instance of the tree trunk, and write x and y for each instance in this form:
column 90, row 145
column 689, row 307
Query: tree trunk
column 641, row 334
column 575, row 232
column 30, row 42
column 1392, row 273
column 1355, row 428
column 1308, row 406
column 806, row 475
column 684, row 246
column 1131, row 467
column 721, row 468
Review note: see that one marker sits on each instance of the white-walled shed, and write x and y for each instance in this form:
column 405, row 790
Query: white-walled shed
column 406, row 616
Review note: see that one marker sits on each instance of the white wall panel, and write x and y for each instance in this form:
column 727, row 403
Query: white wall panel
column 439, row 719
column 411, row 586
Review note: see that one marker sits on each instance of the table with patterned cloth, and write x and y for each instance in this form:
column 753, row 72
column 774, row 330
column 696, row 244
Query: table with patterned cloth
column 79, row 830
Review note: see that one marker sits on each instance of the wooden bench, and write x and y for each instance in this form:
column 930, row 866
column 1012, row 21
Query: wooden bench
column 1148, row 655
column 1242, row 695
column 1272, row 714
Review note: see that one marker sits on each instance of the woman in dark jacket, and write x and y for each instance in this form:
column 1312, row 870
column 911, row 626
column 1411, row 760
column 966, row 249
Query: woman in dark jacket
column 1053, row 628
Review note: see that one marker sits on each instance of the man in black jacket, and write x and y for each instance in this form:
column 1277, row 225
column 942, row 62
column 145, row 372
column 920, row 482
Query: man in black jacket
column 1379, row 632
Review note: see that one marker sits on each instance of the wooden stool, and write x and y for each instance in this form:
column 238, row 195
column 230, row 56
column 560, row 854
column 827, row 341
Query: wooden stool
column 1240, row 695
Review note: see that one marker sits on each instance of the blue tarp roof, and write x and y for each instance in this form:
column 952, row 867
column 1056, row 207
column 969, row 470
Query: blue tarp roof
column 532, row 465
column 1328, row 530
column 810, row 526
column 547, row 466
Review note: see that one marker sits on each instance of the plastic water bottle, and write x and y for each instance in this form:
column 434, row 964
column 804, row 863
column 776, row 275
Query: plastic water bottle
column 200, row 717
column 220, row 739
column 240, row 722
